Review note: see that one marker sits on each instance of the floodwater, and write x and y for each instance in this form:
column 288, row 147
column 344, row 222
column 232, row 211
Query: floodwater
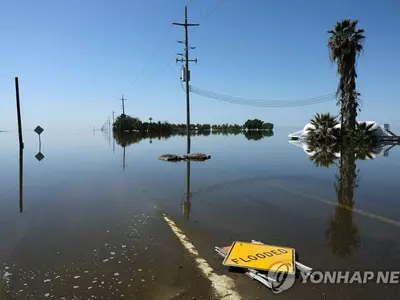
column 89, row 223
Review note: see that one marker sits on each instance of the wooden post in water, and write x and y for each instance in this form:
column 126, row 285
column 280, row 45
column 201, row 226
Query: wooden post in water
column 21, row 142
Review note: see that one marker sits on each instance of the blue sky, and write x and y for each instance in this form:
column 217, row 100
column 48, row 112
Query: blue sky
column 75, row 58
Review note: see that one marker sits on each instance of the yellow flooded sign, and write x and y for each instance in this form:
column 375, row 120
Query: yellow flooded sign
column 261, row 257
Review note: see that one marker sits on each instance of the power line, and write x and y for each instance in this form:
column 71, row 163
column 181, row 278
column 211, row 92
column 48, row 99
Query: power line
column 262, row 103
column 208, row 15
column 158, row 46
column 165, row 68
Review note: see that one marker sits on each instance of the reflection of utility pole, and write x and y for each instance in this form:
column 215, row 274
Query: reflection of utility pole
column 186, row 74
column 109, row 131
column 187, row 204
column 21, row 178
column 113, row 132
column 113, row 143
column 123, row 160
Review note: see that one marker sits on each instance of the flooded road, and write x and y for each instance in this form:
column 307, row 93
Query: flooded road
column 92, row 224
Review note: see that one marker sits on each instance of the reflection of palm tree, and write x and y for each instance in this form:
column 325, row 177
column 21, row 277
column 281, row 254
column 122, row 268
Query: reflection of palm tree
column 323, row 155
column 342, row 232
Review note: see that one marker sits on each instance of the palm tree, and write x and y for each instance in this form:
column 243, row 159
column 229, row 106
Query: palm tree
column 363, row 133
column 345, row 45
column 150, row 119
column 323, row 131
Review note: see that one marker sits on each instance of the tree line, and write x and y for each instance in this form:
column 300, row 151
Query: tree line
column 128, row 123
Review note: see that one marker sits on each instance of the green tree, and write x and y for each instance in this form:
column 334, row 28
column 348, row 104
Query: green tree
column 323, row 131
column 126, row 123
column 268, row 126
column 253, row 124
column 363, row 133
column 345, row 45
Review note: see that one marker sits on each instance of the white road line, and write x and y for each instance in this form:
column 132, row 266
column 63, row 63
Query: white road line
column 223, row 285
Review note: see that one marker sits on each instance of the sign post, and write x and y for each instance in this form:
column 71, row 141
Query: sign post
column 39, row 131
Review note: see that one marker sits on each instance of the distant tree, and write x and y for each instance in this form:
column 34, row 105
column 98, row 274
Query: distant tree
column 126, row 123
column 268, row 126
column 253, row 124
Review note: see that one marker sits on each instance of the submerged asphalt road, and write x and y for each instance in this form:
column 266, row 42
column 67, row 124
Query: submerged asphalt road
column 139, row 258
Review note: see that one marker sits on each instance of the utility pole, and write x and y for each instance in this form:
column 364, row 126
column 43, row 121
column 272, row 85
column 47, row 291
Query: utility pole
column 186, row 76
column 123, row 104
column 123, row 113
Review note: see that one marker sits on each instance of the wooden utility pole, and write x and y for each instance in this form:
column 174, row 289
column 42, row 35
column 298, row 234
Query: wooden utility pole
column 123, row 104
column 186, row 76
column 21, row 142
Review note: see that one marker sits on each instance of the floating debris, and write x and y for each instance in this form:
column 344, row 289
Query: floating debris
column 197, row 157
column 170, row 157
column 175, row 157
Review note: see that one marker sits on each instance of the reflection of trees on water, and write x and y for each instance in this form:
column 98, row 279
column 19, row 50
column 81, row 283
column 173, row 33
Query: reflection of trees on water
column 129, row 138
column 342, row 232
column 257, row 134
